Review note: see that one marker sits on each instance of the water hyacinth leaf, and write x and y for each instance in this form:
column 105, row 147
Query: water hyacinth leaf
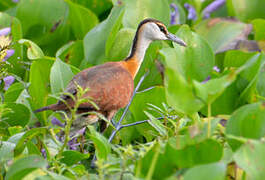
column 156, row 124
column 34, row 51
column 259, row 29
column 203, row 152
column 81, row 19
column 40, row 82
column 18, row 115
column 261, row 81
column 6, row 150
column 121, row 46
column 72, row 53
column 246, row 10
column 223, row 34
column 214, row 171
column 236, row 58
column 101, row 144
column 195, row 63
column 45, row 22
column 28, row 136
column 23, row 166
column 60, row 76
column 98, row 7
column 155, row 96
column 72, row 157
column 95, row 52
column 179, row 93
column 136, row 11
column 247, row 121
column 251, row 158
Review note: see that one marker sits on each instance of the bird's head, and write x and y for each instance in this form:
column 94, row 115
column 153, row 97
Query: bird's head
column 152, row 29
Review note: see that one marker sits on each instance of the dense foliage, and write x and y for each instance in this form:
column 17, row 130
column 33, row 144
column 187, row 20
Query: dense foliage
column 205, row 104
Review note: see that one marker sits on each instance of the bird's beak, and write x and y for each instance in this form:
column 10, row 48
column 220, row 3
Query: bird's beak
column 174, row 38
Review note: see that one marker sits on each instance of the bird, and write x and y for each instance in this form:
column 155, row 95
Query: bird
column 111, row 84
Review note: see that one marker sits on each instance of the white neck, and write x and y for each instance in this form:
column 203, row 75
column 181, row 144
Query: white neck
column 141, row 47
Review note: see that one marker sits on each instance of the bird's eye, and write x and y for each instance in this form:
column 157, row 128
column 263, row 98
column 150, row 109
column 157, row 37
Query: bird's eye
column 162, row 29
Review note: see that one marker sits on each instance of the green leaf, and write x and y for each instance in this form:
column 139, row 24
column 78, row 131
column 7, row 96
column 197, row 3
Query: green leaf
column 155, row 96
column 30, row 134
column 6, row 150
column 13, row 92
column 72, row 157
column 223, row 34
column 24, row 166
column 251, row 158
column 121, row 46
column 101, row 143
column 40, row 82
column 18, row 116
column 95, row 52
column 156, row 124
column 136, row 11
column 81, row 19
column 60, row 76
column 236, row 58
column 179, row 93
column 247, row 121
column 259, row 29
column 214, row 171
column 34, row 51
column 246, row 10
column 193, row 62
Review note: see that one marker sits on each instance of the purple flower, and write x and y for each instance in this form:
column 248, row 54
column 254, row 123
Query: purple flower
column 9, row 53
column 212, row 7
column 43, row 152
column 57, row 122
column 174, row 14
column 207, row 79
column 215, row 68
column 191, row 10
column 73, row 144
column 5, row 31
column 15, row 1
column 8, row 81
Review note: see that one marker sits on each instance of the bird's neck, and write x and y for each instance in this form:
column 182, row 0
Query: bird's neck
column 136, row 57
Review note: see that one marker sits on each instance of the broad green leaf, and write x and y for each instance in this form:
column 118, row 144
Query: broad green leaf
column 18, row 116
column 214, row 171
column 81, row 19
column 40, row 82
column 261, row 81
column 246, row 10
column 251, row 158
column 155, row 96
column 72, row 157
column 236, row 58
column 179, row 93
column 33, row 149
column 6, row 150
column 72, row 53
column 60, row 76
column 102, row 145
column 203, row 152
column 259, row 29
column 193, row 62
column 100, row 8
column 13, row 92
column 95, row 52
column 34, row 51
column 156, row 124
column 45, row 22
column 23, row 166
column 26, row 138
column 122, row 45
column 138, row 10
column 247, row 121
column 223, row 34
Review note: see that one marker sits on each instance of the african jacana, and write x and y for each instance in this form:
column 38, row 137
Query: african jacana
column 111, row 84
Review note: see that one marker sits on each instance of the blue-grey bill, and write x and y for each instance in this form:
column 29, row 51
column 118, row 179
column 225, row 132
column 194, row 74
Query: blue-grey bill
column 175, row 39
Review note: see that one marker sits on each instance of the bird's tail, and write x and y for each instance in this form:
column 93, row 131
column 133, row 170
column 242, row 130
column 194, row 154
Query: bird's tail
column 42, row 109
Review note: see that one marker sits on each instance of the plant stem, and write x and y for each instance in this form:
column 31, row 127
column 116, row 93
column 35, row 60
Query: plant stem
column 154, row 160
column 209, row 120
